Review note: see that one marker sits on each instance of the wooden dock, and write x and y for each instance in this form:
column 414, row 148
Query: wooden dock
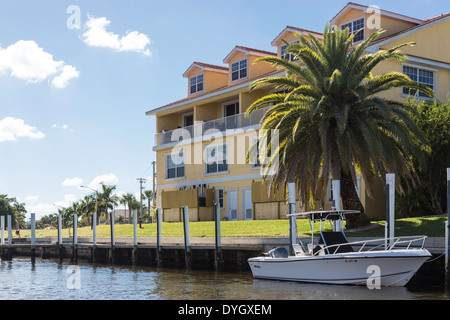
column 202, row 253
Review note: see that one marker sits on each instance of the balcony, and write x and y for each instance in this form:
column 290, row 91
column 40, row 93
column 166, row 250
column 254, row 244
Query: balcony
column 222, row 125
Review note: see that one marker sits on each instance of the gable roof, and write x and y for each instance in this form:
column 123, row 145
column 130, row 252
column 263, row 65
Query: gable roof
column 205, row 66
column 425, row 24
column 352, row 5
column 295, row 29
column 247, row 51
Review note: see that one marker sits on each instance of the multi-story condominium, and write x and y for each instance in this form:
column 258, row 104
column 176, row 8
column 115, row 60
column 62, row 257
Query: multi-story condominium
column 202, row 140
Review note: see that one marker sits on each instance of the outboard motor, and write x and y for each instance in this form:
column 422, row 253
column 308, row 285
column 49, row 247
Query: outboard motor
column 279, row 253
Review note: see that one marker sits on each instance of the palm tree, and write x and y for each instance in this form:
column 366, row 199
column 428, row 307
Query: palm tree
column 107, row 199
column 149, row 195
column 128, row 200
column 88, row 205
column 17, row 211
column 332, row 121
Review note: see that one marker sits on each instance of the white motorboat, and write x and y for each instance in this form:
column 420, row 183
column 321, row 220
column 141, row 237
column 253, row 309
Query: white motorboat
column 333, row 260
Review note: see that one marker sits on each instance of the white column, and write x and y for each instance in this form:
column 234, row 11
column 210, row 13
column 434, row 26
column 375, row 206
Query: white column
column 2, row 226
column 390, row 207
column 292, row 219
column 337, row 202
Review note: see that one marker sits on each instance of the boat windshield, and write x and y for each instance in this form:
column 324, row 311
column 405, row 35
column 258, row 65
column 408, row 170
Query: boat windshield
column 335, row 217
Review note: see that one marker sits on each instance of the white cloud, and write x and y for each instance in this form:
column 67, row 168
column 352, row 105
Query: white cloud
column 68, row 73
column 31, row 198
column 72, row 182
column 12, row 128
column 44, row 209
column 97, row 36
column 106, row 179
column 41, row 209
column 27, row 61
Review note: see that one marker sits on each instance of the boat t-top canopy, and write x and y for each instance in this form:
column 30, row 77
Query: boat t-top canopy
column 324, row 214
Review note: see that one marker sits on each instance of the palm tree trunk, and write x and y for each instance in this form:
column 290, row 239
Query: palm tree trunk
column 351, row 201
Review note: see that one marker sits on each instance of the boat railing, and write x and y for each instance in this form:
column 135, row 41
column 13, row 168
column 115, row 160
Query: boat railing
column 387, row 244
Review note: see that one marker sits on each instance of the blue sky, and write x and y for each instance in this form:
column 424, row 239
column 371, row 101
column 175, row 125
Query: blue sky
column 73, row 101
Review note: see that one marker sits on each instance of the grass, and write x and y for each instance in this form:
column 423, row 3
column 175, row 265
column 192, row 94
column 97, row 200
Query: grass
column 429, row 226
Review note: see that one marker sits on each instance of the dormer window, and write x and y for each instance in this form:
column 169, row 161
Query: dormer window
column 287, row 56
column 355, row 27
column 196, row 83
column 239, row 70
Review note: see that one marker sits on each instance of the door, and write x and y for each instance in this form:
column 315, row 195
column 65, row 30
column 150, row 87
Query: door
column 247, row 204
column 230, row 113
column 232, row 205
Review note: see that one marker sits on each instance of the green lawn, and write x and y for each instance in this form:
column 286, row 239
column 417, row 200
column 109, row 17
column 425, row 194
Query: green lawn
column 432, row 226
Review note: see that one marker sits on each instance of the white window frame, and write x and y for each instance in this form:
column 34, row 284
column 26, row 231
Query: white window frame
column 290, row 55
column 166, row 167
column 218, row 189
column 418, row 67
column 239, row 70
column 206, row 152
column 197, row 83
column 225, row 104
column 185, row 115
column 354, row 31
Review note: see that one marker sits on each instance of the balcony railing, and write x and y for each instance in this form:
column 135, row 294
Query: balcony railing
column 236, row 121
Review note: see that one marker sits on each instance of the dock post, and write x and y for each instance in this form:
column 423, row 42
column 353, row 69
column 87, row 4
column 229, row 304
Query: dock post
column 218, row 253
column 336, row 187
column 9, row 252
column 187, row 241
column 2, row 227
column 390, row 209
column 292, row 219
column 75, row 238
column 135, row 241
column 447, row 233
column 59, row 245
column 113, row 241
column 33, row 237
column 158, row 236
column 94, row 235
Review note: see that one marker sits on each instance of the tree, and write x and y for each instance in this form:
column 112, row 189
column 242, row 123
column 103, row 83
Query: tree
column 149, row 195
column 431, row 195
column 332, row 121
column 128, row 199
column 17, row 211
column 107, row 199
column 87, row 206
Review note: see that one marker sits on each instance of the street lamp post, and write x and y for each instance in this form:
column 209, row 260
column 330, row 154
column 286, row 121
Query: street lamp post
column 96, row 202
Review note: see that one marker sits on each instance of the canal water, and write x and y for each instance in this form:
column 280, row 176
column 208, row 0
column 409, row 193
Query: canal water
column 20, row 279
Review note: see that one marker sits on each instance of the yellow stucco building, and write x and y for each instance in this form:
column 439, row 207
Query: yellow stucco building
column 202, row 140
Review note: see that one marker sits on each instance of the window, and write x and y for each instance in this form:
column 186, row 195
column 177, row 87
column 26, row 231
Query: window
column 230, row 110
column 188, row 119
column 287, row 56
column 254, row 153
column 239, row 70
column 357, row 28
column 220, row 198
column 216, row 159
column 421, row 76
column 196, row 83
column 175, row 165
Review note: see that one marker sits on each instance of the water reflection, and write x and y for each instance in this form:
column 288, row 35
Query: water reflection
column 47, row 280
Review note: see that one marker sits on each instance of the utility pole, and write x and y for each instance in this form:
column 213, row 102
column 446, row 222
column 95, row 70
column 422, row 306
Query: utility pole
column 141, row 181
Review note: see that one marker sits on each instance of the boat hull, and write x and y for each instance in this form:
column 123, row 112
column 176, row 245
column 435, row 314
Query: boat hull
column 384, row 268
